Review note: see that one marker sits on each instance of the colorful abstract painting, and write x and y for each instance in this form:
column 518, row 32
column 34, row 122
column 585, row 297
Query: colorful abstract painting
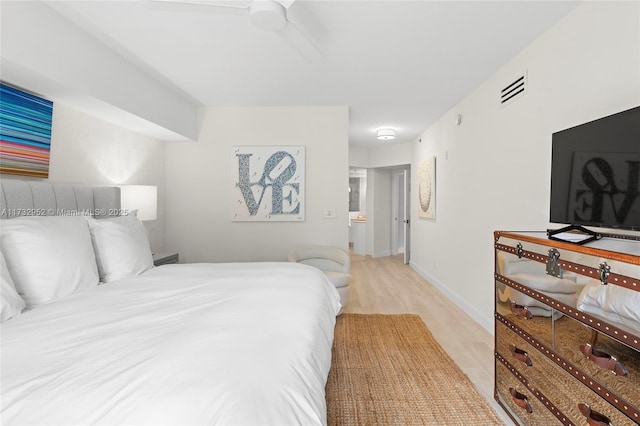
column 25, row 133
column 268, row 183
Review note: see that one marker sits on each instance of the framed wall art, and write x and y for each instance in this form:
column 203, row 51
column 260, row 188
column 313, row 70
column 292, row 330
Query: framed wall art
column 427, row 188
column 25, row 133
column 268, row 183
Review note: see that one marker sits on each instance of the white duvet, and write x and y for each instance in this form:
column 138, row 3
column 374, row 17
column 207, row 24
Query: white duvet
column 199, row 344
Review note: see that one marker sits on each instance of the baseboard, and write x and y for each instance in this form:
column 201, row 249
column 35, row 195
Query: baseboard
column 486, row 323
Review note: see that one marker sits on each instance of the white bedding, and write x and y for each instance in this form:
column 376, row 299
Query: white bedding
column 245, row 343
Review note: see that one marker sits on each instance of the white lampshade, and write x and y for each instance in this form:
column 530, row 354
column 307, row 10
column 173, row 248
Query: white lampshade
column 143, row 198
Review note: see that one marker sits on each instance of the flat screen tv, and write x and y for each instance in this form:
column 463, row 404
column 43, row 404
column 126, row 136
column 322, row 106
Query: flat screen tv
column 595, row 173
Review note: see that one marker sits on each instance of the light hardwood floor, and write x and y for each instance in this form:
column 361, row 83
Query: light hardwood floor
column 387, row 286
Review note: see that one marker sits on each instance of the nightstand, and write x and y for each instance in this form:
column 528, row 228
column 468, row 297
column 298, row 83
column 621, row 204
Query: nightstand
column 165, row 258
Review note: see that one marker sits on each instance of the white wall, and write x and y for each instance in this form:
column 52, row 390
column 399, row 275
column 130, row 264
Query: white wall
column 44, row 52
column 380, row 156
column 390, row 155
column 381, row 219
column 90, row 151
column 493, row 171
column 199, row 182
column 358, row 157
column 379, row 208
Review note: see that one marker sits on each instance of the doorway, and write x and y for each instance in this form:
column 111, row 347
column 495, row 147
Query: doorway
column 400, row 213
column 357, row 210
column 379, row 226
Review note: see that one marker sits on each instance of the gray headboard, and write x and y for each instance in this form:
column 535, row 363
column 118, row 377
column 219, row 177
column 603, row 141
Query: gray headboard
column 37, row 198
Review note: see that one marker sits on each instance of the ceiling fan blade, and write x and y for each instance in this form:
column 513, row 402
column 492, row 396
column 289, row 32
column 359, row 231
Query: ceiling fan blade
column 292, row 35
column 218, row 7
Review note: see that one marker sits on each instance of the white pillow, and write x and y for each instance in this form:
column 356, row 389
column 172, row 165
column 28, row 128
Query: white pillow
column 48, row 257
column 121, row 246
column 11, row 304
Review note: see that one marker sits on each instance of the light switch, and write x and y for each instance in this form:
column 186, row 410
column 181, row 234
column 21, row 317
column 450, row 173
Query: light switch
column 329, row 213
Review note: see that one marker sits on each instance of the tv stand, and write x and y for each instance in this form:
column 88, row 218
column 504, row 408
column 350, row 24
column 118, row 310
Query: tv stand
column 544, row 341
column 621, row 236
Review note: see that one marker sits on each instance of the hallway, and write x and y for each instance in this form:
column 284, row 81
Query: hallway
column 386, row 285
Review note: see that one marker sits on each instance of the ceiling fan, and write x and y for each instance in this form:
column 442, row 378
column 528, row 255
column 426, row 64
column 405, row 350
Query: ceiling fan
column 267, row 15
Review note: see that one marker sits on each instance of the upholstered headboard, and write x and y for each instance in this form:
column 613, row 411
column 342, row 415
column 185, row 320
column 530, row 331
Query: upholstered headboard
column 36, row 198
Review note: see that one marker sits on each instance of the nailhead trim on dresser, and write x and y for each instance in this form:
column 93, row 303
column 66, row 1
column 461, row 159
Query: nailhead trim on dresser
column 543, row 399
column 621, row 280
column 555, row 361
column 571, row 311
column 596, row 386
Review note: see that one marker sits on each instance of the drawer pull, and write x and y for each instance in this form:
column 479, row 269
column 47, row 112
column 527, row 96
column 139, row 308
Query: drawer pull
column 520, row 355
column 593, row 417
column 520, row 400
column 520, row 310
column 603, row 360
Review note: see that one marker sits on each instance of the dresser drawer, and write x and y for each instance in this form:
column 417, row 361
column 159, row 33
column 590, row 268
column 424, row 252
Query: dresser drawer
column 564, row 323
column 538, row 326
column 571, row 338
column 533, row 414
column 560, row 386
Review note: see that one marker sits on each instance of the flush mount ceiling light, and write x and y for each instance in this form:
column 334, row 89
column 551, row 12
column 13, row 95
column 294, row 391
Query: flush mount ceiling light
column 386, row 134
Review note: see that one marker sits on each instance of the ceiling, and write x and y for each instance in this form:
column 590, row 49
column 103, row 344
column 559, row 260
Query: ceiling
column 399, row 64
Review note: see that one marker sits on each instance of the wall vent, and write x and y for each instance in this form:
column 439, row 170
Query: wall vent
column 514, row 90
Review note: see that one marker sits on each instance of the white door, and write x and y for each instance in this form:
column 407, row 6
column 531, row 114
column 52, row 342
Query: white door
column 397, row 212
column 406, row 179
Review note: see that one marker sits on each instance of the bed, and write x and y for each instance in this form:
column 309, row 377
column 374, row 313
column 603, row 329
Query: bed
column 229, row 343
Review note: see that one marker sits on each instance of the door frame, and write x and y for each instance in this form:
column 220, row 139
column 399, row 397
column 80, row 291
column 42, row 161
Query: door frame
column 400, row 196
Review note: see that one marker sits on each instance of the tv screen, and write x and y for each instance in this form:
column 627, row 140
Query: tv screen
column 595, row 173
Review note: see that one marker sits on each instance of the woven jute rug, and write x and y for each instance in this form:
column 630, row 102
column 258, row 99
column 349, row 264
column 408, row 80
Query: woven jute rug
column 389, row 370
